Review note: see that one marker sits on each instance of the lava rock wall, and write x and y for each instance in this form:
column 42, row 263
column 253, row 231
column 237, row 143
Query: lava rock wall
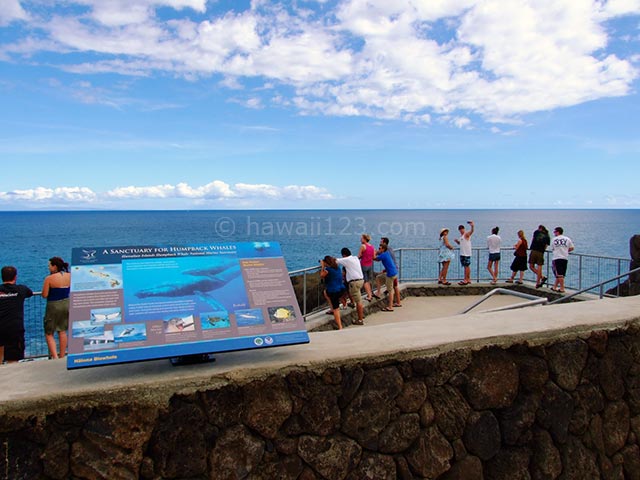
column 566, row 409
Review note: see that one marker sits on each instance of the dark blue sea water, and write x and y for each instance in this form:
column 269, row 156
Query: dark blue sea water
column 28, row 239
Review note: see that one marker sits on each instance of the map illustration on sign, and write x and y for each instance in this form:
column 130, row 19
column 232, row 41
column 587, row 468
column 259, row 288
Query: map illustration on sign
column 138, row 303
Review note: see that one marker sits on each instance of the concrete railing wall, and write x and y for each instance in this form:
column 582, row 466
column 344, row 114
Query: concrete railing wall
column 551, row 392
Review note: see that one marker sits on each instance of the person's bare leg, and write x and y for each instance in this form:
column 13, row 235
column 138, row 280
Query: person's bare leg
column 336, row 317
column 445, row 270
column 367, row 289
column 62, row 337
column 391, row 294
column 51, row 345
column 360, row 309
column 1, row 354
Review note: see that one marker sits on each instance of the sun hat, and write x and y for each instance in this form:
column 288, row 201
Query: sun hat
column 442, row 230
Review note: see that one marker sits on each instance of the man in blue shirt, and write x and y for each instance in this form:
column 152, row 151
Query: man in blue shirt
column 391, row 272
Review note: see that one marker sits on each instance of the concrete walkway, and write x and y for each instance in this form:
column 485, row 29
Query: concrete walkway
column 420, row 326
column 421, row 308
column 431, row 308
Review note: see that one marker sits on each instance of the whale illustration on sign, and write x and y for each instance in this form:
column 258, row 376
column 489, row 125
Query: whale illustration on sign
column 204, row 282
column 127, row 331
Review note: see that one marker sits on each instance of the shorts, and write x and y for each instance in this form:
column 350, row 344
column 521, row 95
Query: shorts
column 56, row 316
column 13, row 346
column 494, row 257
column 367, row 273
column 335, row 298
column 390, row 282
column 536, row 257
column 560, row 267
column 355, row 286
column 465, row 261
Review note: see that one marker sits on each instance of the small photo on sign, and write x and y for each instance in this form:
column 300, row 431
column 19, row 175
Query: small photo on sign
column 177, row 324
column 106, row 315
column 282, row 314
column 249, row 317
column 99, row 342
column 135, row 332
column 96, row 277
column 86, row 328
column 217, row 319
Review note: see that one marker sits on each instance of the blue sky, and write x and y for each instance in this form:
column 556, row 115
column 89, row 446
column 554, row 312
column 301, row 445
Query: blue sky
column 195, row 104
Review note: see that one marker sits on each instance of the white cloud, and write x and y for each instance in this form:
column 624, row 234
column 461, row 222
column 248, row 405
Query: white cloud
column 614, row 8
column 216, row 190
column 11, row 10
column 126, row 12
column 42, row 194
column 407, row 59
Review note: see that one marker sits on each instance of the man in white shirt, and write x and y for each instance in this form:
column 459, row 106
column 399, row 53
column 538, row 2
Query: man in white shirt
column 493, row 244
column 355, row 280
column 561, row 245
column 465, row 251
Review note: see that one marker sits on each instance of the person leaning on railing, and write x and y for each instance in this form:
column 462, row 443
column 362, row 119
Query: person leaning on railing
column 12, row 298
column 56, row 317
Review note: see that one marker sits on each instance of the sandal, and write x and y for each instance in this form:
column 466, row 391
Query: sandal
column 375, row 296
column 446, row 283
column 358, row 322
column 397, row 305
column 508, row 280
column 386, row 309
column 463, row 283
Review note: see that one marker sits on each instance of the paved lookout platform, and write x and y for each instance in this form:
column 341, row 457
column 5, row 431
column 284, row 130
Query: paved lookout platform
column 417, row 327
column 540, row 392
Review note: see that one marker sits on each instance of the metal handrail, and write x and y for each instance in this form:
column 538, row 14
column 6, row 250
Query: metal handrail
column 532, row 300
column 600, row 286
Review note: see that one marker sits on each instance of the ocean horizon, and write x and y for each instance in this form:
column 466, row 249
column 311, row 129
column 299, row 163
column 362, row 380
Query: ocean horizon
column 31, row 237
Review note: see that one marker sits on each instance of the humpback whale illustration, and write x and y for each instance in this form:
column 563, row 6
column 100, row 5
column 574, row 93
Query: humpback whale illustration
column 126, row 331
column 205, row 281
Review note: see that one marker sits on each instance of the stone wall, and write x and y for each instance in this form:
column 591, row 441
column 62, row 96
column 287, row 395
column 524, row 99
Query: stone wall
column 567, row 408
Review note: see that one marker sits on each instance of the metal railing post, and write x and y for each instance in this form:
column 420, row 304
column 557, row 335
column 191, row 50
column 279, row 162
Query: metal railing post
column 304, row 294
column 580, row 272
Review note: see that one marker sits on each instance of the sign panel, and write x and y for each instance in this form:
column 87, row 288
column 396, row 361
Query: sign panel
column 138, row 303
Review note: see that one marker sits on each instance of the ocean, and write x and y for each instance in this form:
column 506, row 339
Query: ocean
column 29, row 239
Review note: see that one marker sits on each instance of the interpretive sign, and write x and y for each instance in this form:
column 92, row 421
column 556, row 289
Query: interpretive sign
column 138, row 303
